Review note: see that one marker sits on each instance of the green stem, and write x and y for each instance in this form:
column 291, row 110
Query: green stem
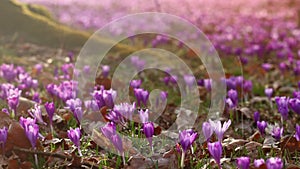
column 182, row 159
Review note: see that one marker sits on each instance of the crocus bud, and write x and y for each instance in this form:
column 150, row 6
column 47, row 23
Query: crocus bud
column 105, row 70
column 136, row 83
column 141, row 96
column 148, row 129
column 259, row 162
column 207, row 130
column 269, row 92
column 243, row 162
column 256, row 116
column 261, row 125
column 3, row 136
column 274, row 163
column 233, row 95
column 50, row 109
column 215, row 149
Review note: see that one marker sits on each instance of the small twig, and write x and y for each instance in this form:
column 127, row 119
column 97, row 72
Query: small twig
column 57, row 155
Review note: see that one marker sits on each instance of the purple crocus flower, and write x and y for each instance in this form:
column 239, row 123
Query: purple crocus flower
column 215, row 149
column 186, row 139
column 136, row 83
column 261, row 125
column 142, row 96
column 282, row 105
column 259, row 162
column 247, row 87
column 243, row 162
column 4, row 110
column 148, row 129
column 230, row 103
column 3, row 136
column 91, row 105
column 144, row 115
column 233, row 95
column 105, row 70
column 189, row 80
column 207, row 130
column 8, row 72
column 109, row 131
column 297, row 134
column 109, row 96
column 37, row 113
column 266, row 66
column 72, row 104
column 207, row 84
column 78, row 114
column 32, row 133
column 277, row 132
column 36, row 97
column 115, row 116
column 269, row 92
column 163, row 96
column 219, row 129
column 26, row 121
column 256, row 116
column 50, row 109
column 295, row 105
column 274, row 163
column 74, row 135
column 38, row 67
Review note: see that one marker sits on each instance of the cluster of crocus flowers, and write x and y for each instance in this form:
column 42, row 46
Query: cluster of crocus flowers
column 3, row 137
column 141, row 96
column 74, row 135
column 109, row 131
column 104, row 97
column 75, row 106
column 215, row 149
column 232, row 100
column 261, row 125
column 186, row 140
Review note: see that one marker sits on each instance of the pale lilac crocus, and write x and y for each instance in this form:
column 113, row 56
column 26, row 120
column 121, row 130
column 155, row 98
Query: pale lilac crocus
column 274, row 163
column 50, row 109
column 261, row 125
column 233, row 95
column 189, row 80
column 109, row 96
column 277, row 132
column 259, row 162
column 186, row 139
column 125, row 109
column 144, row 115
column 297, row 134
column 243, row 162
column 207, row 130
column 215, row 149
column 269, row 92
column 3, row 137
column 36, row 113
column 219, row 129
column 74, row 135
